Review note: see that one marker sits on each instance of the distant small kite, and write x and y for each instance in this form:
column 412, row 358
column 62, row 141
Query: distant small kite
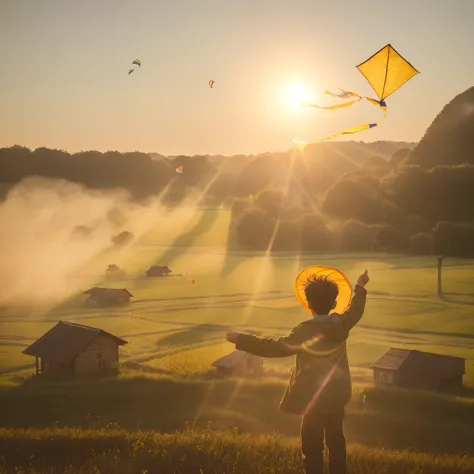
column 211, row 83
column 179, row 169
column 135, row 62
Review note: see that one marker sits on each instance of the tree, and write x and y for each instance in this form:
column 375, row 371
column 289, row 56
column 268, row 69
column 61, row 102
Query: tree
column 263, row 172
column 271, row 201
column 390, row 239
column 255, row 229
column 123, row 238
column 449, row 139
column 350, row 199
column 421, row 244
column 399, row 157
column 376, row 164
column 443, row 193
column 239, row 206
column 417, row 224
column 288, row 236
column 315, row 235
column 356, row 236
column 453, row 239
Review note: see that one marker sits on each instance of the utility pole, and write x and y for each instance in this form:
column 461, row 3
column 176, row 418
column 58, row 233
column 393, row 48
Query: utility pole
column 440, row 264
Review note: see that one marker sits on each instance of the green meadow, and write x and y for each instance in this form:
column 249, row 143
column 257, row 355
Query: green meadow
column 175, row 330
column 170, row 320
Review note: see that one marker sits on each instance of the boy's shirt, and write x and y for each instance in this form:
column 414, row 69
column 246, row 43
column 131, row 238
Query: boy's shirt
column 321, row 380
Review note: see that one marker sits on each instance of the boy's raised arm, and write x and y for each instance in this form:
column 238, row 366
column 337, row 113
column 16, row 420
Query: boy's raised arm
column 265, row 347
column 353, row 315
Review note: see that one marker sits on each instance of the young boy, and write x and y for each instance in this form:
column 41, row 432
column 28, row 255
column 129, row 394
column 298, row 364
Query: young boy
column 320, row 385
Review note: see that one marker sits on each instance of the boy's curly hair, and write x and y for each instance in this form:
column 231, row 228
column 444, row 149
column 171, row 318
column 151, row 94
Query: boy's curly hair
column 321, row 294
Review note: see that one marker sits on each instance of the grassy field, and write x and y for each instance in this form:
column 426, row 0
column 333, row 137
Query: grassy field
column 118, row 451
column 175, row 330
column 241, row 289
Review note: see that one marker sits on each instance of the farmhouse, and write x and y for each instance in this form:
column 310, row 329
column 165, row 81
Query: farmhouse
column 158, row 271
column 107, row 297
column 418, row 370
column 239, row 363
column 74, row 349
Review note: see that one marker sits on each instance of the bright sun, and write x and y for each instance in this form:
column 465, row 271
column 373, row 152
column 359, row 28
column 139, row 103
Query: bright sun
column 295, row 93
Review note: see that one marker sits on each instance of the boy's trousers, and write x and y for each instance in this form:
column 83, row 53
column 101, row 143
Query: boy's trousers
column 313, row 430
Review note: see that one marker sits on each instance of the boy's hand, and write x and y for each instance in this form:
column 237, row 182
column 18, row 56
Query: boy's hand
column 363, row 279
column 232, row 336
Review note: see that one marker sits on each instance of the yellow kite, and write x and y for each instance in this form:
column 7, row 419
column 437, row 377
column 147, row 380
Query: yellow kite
column 386, row 71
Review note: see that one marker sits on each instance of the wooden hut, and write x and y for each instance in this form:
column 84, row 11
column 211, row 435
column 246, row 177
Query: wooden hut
column 157, row 271
column 107, row 297
column 239, row 363
column 75, row 350
column 409, row 368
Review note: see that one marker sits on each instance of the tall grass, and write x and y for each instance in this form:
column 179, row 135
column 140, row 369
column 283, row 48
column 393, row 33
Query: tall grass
column 114, row 451
column 395, row 419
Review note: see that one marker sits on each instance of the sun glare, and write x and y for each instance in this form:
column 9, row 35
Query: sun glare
column 295, row 93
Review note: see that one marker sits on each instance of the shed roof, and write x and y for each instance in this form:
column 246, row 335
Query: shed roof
column 158, row 267
column 65, row 341
column 107, row 292
column 415, row 361
column 393, row 359
column 232, row 360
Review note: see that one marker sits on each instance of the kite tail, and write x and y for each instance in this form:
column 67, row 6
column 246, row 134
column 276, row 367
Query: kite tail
column 330, row 107
column 378, row 103
column 343, row 94
column 349, row 131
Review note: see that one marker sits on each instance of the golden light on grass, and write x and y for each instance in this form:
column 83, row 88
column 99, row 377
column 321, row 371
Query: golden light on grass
column 262, row 276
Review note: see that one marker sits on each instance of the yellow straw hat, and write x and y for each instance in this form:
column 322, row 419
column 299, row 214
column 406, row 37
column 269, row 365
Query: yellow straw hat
column 336, row 276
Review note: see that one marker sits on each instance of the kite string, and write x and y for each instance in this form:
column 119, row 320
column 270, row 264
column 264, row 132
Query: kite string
column 382, row 222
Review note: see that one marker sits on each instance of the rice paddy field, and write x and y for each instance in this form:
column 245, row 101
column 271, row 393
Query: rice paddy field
column 178, row 326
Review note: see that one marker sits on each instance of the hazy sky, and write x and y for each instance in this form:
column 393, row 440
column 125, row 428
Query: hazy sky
column 64, row 81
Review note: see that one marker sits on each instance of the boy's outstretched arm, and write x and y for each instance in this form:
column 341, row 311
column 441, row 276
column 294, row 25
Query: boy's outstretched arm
column 265, row 347
column 353, row 315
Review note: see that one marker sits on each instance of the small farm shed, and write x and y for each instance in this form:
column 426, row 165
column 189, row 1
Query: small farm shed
column 239, row 363
column 107, row 297
column 158, row 271
column 74, row 349
column 418, row 370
